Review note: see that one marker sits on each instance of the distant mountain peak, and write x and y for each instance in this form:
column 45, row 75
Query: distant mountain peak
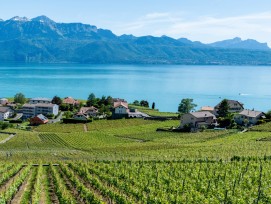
column 43, row 19
column 18, row 18
column 238, row 43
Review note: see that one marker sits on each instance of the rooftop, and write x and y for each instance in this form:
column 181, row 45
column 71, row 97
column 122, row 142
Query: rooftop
column 202, row 114
column 40, row 99
column 250, row 113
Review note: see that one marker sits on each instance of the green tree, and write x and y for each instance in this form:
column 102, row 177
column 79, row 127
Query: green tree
column 92, row 101
column 223, row 109
column 144, row 103
column 153, row 105
column 19, row 98
column 136, row 103
column 56, row 100
column 186, row 105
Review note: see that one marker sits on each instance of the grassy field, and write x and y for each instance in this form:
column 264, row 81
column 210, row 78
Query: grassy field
column 153, row 112
column 128, row 161
column 132, row 139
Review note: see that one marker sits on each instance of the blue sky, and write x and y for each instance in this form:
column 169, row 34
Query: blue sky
column 203, row 20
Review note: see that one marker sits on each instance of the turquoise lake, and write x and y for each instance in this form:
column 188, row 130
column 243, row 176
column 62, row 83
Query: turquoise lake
column 165, row 85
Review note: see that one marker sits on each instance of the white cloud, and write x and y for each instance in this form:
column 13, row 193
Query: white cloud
column 206, row 29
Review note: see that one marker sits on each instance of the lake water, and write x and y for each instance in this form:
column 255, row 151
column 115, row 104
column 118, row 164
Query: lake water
column 165, row 85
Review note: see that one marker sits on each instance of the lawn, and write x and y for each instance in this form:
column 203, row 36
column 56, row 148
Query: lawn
column 153, row 112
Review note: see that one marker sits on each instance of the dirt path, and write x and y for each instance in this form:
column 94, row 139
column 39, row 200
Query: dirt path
column 9, row 182
column 85, row 128
column 72, row 189
column 43, row 198
column 25, row 185
column 7, row 139
column 96, row 192
column 52, row 190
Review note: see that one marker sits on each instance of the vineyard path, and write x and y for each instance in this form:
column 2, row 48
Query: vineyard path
column 19, row 195
column 7, row 139
column 9, row 182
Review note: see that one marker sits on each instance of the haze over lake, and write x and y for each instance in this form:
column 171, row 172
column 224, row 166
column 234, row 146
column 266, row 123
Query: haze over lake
column 165, row 85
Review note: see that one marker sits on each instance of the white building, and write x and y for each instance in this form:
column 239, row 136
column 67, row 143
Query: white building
column 3, row 101
column 248, row 117
column 40, row 100
column 5, row 113
column 31, row 110
column 198, row 119
column 121, row 107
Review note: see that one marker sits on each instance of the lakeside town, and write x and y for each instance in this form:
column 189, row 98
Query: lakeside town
column 40, row 111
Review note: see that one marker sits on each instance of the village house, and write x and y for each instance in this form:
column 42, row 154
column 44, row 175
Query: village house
column 70, row 101
column 248, row 117
column 81, row 116
column 31, row 110
column 234, row 106
column 208, row 108
column 120, row 110
column 39, row 120
column 90, row 111
column 3, row 101
column 5, row 113
column 40, row 100
column 198, row 119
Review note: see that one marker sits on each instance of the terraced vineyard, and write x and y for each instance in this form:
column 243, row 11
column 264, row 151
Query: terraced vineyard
column 137, row 182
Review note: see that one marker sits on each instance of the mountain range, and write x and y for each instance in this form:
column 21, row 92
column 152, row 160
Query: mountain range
column 41, row 40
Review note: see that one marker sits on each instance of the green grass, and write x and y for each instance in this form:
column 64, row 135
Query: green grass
column 3, row 136
column 153, row 112
column 132, row 139
column 266, row 127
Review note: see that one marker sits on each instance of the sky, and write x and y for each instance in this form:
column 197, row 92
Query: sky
column 198, row 20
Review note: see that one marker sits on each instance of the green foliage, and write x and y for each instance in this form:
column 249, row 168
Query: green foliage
column 92, row 100
column 19, row 98
column 57, row 100
column 153, row 106
column 5, row 125
column 136, row 103
column 153, row 112
column 68, row 114
column 144, row 103
column 223, row 109
column 186, row 105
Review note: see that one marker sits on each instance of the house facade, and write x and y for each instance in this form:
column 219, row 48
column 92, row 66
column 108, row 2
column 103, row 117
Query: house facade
column 121, row 107
column 31, row 110
column 234, row 106
column 90, row 111
column 3, row 101
column 40, row 100
column 70, row 101
column 5, row 113
column 81, row 116
column 39, row 120
column 248, row 117
column 198, row 119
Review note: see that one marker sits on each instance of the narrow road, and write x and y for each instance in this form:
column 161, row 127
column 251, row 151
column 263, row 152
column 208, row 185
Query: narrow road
column 7, row 139
column 58, row 119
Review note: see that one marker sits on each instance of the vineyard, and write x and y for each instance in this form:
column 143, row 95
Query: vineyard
column 128, row 161
column 137, row 182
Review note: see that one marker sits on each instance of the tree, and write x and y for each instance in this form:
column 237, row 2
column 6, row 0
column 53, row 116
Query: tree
column 186, row 105
column 19, row 98
column 153, row 105
column 136, row 103
column 223, row 109
column 144, row 103
column 56, row 100
column 92, row 101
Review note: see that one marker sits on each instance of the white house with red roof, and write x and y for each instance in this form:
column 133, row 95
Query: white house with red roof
column 121, row 107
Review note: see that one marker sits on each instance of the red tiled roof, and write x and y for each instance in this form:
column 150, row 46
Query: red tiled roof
column 70, row 100
column 117, row 104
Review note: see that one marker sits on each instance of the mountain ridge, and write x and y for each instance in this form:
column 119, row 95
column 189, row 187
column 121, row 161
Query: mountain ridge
column 43, row 40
